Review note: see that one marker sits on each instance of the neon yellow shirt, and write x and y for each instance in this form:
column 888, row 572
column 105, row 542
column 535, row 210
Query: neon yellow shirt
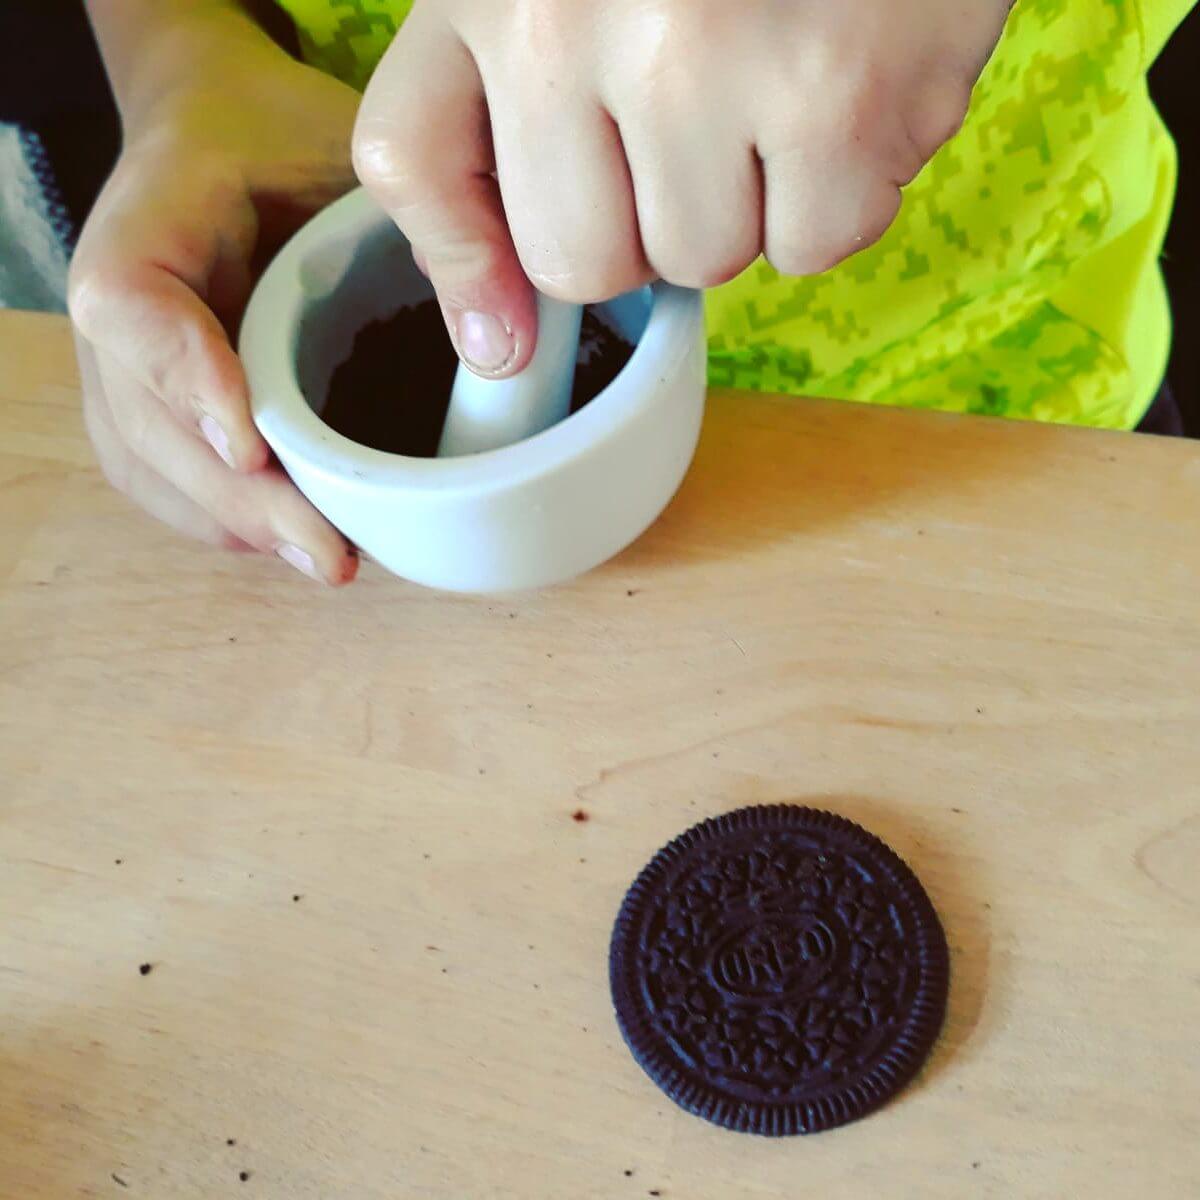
column 1021, row 277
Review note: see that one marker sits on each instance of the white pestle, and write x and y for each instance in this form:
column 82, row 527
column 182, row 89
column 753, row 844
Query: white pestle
column 486, row 414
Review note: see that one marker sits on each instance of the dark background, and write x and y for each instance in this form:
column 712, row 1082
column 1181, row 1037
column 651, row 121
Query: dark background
column 1175, row 86
column 51, row 80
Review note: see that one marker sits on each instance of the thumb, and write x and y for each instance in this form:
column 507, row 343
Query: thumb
column 422, row 148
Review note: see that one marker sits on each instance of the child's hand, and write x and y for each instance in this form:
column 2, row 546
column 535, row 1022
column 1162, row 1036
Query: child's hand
column 211, row 180
column 641, row 138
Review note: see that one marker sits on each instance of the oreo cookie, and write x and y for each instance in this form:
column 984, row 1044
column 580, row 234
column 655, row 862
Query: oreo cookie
column 778, row 970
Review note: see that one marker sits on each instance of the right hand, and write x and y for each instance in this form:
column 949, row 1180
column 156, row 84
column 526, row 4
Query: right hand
column 585, row 148
column 206, row 187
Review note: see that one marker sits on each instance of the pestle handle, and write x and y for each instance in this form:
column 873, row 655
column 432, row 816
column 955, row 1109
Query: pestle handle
column 485, row 414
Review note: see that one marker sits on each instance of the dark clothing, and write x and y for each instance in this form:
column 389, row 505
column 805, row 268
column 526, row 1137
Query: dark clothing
column 1164, row 415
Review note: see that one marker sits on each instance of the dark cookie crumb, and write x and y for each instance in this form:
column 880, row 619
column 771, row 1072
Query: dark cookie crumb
column 145, row 968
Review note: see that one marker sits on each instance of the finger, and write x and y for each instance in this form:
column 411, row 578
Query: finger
column 568, row 193
column 423, row 149
column 700, row 214
column 820, row 209
column 935, row 114
column 142, row 286
column 170, row 341
column 135, row 478
column 263, row 509
column 149, row 490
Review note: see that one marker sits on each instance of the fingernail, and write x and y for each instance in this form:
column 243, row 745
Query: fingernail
column 485, row 341
column 300, row 559
column 214, row 435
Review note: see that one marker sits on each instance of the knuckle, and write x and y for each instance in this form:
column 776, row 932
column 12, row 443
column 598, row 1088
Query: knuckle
column 460, row 258
column 590, row 284
column 135, row 425
column 580, row 261
column 242, row 529
column 229, row 540
column 115, row 473
column 113, row 462
column 567, row 287
column 791, row 253
column 107, row 471
column 878, row 222
column 668, row 60
column 940, row 113
column 858, row 96
column 548, row 28
column 388, row 159
column 90, row 293
column 868, row 104
column 703, row 274
column 652, row 69
column 168, row 377
column 799, row 256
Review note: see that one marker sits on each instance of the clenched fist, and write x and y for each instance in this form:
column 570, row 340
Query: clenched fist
column 591, row 147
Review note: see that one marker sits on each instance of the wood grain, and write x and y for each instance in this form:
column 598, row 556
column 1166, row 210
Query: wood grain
column 339, row 825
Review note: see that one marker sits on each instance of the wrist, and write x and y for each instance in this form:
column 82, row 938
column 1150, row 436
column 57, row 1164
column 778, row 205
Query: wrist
column 163, row 55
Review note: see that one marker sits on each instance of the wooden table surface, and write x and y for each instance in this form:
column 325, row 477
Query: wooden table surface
column 339, row 825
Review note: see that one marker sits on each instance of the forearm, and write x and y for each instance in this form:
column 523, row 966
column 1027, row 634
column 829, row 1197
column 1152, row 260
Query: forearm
column 153, row 49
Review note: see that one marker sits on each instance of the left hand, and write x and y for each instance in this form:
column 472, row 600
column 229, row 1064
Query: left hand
column 231, row 156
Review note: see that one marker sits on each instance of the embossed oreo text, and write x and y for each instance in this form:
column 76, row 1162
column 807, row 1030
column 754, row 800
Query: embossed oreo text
column 777, row 970
column 773, row 958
